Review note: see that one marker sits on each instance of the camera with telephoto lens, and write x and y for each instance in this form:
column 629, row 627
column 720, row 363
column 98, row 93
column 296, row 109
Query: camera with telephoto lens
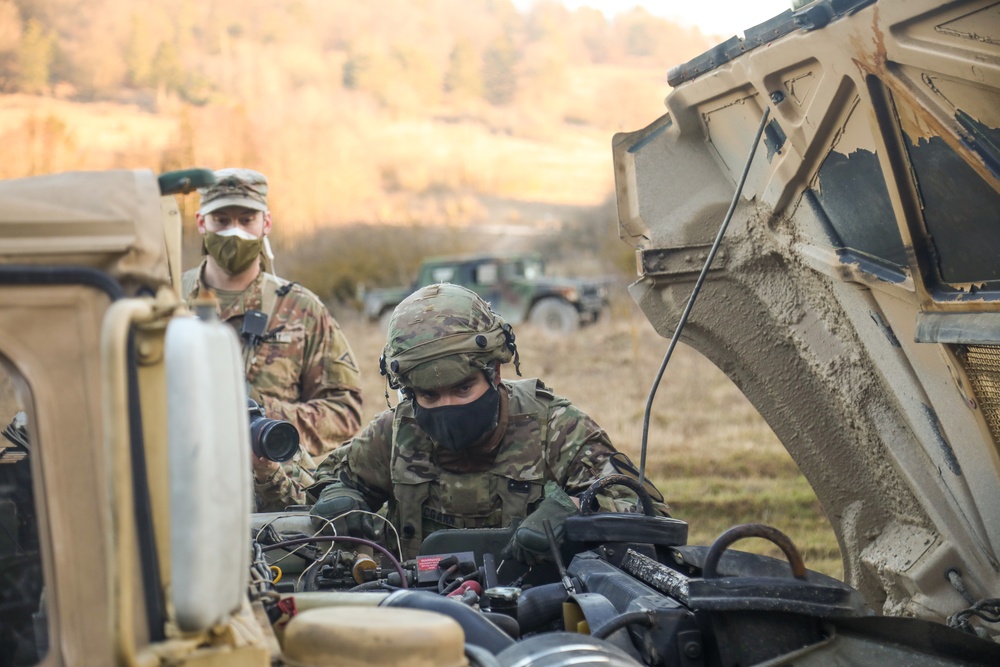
column 271, row 439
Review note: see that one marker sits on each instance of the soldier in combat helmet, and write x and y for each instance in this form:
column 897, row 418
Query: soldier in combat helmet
column 299, row 366
column 465, row 448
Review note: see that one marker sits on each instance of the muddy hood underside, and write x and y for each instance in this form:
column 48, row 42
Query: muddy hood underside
column 856, row 296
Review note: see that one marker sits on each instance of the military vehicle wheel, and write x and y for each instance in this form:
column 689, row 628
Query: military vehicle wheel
column 554, row 316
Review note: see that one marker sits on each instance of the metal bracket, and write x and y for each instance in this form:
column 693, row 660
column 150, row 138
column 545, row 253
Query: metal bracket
column 687, row 260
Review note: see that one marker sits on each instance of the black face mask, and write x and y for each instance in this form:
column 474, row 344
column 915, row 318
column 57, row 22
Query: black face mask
column 457, row 427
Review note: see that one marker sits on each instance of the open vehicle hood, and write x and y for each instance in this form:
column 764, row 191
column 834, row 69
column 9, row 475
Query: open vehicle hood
column 855, row 299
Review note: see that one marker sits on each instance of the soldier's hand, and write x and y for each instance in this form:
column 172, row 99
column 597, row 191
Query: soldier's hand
column 339, row 503
column 256, row 396
column 529, row 544
column 263, row 468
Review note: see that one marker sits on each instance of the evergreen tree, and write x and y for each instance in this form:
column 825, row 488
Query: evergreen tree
column 418, row 71
column 34, row 57
column 139, row 53
column 500, row 71
column 465, row 72
column 369, row 71
column 166, row 71
column 10, row 40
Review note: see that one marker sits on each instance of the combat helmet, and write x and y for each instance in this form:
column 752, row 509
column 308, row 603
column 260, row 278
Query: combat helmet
column 438, row 334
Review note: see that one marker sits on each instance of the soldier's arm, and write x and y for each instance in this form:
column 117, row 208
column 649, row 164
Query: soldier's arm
column 580, row 452
column 286, row 486
column 363, row 465
column 329, row 409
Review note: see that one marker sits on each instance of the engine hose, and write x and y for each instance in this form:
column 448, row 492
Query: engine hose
column 443, row 579
column 619, row 622
column 540, row 605
column 377, row 585
column 506, row 623
column 478, row 630
column 588, row 503
column 453, row 586
column 480, row 657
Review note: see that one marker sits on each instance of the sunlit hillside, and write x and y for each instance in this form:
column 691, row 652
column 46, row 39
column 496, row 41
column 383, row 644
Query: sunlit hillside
column 387, row 112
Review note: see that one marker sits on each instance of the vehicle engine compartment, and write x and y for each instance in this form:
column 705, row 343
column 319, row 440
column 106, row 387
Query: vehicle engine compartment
column 623, row 589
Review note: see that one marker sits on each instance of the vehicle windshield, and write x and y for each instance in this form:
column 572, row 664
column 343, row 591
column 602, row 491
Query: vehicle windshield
column 526, row 268
column 23, row 619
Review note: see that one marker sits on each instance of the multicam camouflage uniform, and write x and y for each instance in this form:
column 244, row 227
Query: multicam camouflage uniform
column 437, row 337
column 303, row 372
column 547, row 439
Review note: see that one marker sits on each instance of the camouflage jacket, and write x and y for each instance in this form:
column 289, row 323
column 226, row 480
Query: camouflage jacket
column 547, row 439
column 303, row 372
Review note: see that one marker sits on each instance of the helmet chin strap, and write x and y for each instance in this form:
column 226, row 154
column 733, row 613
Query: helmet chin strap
column 509, row 337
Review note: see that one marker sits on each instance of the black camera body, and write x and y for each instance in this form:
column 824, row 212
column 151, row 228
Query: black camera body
column 271, row 439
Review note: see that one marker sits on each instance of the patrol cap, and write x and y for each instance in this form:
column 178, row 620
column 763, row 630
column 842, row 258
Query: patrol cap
column 235, row 187
column 440, row 335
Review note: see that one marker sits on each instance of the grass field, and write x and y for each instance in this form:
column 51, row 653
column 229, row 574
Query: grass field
column 709, row 452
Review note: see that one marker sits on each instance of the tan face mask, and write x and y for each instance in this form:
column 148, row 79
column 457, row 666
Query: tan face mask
column 233, row 249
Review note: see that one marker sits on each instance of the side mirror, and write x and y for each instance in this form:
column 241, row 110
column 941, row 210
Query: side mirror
column 210, row 487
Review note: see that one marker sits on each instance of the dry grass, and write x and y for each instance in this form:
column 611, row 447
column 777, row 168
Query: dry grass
column 709, row 451
column 42, row 135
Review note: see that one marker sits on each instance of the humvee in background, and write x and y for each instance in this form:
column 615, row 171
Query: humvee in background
column 515, row 285
column 863, row 325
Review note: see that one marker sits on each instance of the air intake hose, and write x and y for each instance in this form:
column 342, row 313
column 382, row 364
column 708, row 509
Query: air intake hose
column 478, row 630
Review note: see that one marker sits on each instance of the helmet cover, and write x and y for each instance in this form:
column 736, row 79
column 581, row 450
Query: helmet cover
column 441, row 333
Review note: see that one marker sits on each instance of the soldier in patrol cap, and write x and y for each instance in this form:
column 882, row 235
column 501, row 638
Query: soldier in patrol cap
column 465, row 448
column 299, row 365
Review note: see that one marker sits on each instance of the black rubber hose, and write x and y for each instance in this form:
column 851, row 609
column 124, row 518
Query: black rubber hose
column 452, row 587
column 540, row 605
column 377, row 585
column 736, row 533
column 506, row 623
column 588, row 504
column 443, row 579
column 619, row 622
column 478, row 630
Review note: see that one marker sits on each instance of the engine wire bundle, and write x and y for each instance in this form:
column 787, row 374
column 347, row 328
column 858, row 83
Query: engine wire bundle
column 261, row 576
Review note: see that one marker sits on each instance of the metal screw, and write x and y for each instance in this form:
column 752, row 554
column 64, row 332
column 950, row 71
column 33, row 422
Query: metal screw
column 692, row 650
column 777, row 97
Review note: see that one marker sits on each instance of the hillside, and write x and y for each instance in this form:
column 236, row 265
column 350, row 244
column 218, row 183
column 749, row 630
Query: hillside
column 396, row 112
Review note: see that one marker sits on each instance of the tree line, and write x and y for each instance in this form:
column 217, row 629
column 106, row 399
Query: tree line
column 402, row 52
column 420, row 113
